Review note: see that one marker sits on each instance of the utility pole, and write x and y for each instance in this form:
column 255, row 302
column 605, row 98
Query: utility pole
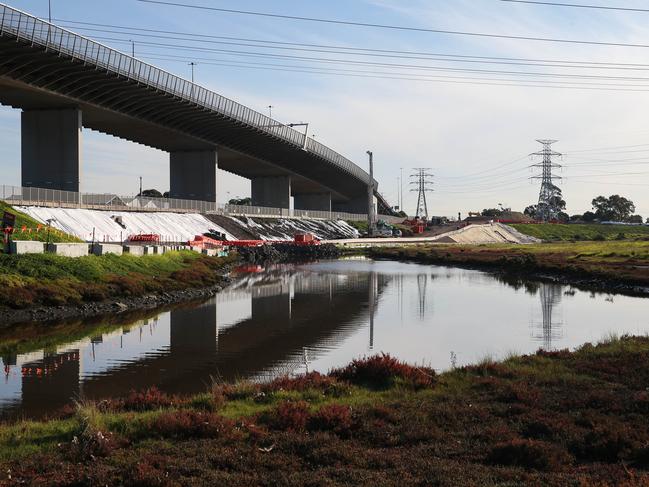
column 192, row 64
column 371, row 217
column 548, row 208
column 49, row 10
column 132, row 48
column 401, row 197
column 423, row 180
column 140, row 185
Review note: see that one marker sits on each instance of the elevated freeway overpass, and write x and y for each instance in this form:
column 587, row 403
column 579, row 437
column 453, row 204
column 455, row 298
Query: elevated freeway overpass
column 63, row 82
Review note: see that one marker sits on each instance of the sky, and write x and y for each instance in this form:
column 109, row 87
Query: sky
column 475, row 137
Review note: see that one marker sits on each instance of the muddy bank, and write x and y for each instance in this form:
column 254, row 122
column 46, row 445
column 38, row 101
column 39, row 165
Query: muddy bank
column 289, row 253
column 598, row 275
column 45, row 314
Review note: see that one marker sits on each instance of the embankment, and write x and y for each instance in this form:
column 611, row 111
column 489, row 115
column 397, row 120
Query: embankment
column 553, row 418
column 610, row 266
column 44, row 287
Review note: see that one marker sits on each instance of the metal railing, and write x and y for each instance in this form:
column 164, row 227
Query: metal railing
column 24, row 26
column 28, row 196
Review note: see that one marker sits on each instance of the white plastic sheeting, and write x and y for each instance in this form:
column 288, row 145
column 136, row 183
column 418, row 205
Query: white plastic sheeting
column 285, row 228
column 81, row 223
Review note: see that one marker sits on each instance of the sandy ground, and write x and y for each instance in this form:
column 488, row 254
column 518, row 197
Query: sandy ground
column 472, row 234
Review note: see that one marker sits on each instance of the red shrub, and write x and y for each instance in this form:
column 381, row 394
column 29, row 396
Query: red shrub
column 313, row 380
column 147, row 400
column 380, row 371
column 332, row 417
column 530, row 454
column 289, row 415
column 192, row 424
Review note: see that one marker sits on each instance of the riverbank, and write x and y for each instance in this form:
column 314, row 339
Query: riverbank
column 45, row 287
column 552, row 418
column 611, row 266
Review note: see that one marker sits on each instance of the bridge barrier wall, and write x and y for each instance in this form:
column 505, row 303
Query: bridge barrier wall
column 28, row 196
column 104, row 249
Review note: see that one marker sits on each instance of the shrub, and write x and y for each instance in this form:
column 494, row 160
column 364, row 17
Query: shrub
column 288, row 416
column 148, row 400
column 380, row 371
column 529, row 454
column 313, row 380
column 333, row 417
column 599, row 237
column 192, row 424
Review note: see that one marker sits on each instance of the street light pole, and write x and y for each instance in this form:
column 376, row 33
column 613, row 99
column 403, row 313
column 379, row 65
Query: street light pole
column 49, row 10
column 371, row 218
column 192, row 64
column 270, row 111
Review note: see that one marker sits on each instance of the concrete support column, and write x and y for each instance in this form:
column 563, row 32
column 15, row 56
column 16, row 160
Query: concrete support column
column 192, row 175
column 357, row 205
column 312, row 202
column 272, row 192
column 51, row 148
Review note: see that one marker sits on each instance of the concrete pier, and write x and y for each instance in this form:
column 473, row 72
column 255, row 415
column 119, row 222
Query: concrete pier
column 51, row 149
column 313, row 202
column 271, row 192
column 192, row 175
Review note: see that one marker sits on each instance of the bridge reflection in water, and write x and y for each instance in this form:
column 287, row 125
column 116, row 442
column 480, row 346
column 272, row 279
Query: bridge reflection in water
column 266, row 324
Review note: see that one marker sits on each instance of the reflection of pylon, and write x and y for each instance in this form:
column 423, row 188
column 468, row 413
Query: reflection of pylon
column 550, row 295
column 422, row 282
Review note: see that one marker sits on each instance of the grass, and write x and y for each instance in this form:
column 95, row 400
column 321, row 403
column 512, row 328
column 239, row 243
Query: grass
column 52, row 280
column 607, row 261
column 551, row 418
column 29, row 222
column 592, row 231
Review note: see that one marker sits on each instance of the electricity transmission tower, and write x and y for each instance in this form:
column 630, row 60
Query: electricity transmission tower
column 423, row 180
column 550, row 197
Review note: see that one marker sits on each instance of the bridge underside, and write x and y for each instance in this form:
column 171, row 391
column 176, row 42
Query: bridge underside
column 36, row 80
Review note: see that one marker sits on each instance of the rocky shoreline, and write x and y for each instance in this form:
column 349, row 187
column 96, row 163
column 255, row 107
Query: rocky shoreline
column 46, row 314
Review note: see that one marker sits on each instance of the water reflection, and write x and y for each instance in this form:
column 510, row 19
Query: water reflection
column 287, row 319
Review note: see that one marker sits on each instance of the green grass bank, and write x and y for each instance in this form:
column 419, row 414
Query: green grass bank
column 577, row 232
column 23, row 220
column 552, row 418
column 52, row 280
column 607, row 263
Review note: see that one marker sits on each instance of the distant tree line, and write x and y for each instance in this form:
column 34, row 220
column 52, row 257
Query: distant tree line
column 615, row 208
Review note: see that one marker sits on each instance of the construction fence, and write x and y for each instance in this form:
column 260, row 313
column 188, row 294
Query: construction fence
column 28, row 196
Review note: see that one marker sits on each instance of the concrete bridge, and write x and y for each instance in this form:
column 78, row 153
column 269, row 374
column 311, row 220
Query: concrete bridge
column 63, row 81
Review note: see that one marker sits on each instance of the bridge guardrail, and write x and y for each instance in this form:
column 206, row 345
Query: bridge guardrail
column 25, row 26
column 28, row 196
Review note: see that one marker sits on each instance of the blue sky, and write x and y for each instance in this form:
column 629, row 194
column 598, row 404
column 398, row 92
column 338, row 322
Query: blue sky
column 474, row 137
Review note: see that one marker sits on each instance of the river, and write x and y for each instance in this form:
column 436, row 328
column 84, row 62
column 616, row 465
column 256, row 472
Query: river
column 287, row 319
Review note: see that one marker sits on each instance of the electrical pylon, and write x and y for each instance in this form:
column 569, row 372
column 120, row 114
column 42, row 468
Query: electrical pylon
column 423, row 179
column 550, row 194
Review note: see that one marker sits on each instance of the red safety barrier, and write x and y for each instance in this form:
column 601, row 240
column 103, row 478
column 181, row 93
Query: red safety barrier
column 144, row 237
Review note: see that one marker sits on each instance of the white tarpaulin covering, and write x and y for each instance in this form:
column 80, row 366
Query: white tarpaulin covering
column 81, row 223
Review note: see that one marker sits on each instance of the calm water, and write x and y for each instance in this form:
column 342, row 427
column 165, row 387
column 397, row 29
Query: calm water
column 287, row 319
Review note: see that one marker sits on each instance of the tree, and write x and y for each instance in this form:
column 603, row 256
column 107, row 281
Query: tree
column 492, row 212
column 576, row 218
column 613, row 208
column 635, row 219
column 530, row 211
column 589, row 216
column 240, row 201
column 151, row 193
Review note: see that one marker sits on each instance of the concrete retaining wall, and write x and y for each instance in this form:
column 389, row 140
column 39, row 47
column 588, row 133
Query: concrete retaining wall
column 69, row 249
column 134, row 249
column 103, row 249
column 26, row 247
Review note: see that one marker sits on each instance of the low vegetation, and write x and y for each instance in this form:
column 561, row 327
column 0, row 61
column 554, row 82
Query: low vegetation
column 31, row 226
column 552, row 418
column 586, row 231
column 52, row 280
column 615, row 262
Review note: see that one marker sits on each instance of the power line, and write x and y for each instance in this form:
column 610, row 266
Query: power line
column 438, row 79
column 391, row 27
column 577, row 5
column 357, row 51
